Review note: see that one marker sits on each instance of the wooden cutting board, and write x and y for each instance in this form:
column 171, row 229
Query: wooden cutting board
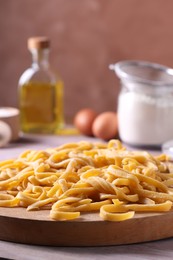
column 18, row 225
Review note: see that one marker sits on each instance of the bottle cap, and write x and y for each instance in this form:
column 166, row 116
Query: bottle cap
column 40, row 42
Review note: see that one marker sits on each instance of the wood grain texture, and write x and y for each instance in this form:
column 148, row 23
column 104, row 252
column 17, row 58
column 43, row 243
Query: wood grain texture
column 18, row 225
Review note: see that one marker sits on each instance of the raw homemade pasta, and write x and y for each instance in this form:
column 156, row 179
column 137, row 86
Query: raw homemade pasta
column 75, row 178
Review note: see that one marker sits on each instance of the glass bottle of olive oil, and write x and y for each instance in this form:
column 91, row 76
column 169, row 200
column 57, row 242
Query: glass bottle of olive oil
column 40, row 92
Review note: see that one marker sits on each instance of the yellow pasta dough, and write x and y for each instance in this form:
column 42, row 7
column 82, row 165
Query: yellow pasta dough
column 75, row 178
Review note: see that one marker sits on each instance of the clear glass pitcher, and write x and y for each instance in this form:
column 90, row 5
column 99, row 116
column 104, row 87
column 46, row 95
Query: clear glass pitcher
column 145, row 103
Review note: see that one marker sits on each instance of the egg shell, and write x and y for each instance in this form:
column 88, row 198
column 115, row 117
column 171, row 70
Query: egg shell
column 5, row 134
column 84, row 119
column 105, row 126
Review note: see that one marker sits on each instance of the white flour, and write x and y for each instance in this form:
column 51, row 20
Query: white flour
column 145, row 120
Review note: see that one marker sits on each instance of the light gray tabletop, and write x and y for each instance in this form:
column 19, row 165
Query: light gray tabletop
column 153, row 250
column 162, row 249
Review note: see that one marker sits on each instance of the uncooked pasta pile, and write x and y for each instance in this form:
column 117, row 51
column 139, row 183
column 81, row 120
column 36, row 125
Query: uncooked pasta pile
column 88, row 177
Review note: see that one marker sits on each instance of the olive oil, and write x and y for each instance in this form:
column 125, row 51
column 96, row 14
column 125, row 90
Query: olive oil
column 40, row 92
column 41, row 107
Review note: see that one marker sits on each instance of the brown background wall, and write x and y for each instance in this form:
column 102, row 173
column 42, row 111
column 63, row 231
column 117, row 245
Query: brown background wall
column 86, row 35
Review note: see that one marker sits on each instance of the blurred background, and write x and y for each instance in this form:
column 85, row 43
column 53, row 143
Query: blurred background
column 86, row 36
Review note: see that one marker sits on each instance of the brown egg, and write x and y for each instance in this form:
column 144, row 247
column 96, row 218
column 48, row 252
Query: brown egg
column 84, row 119
column 105, row 126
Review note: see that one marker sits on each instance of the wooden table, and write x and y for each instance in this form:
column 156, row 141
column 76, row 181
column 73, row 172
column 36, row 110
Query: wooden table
column 162, row 249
